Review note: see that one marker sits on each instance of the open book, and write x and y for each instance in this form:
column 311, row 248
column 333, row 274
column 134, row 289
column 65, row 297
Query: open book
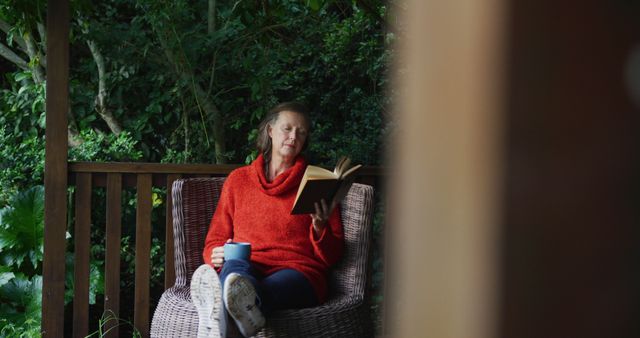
column 318, row 183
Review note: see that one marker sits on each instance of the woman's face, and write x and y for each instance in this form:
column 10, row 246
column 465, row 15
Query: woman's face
column 288, row 134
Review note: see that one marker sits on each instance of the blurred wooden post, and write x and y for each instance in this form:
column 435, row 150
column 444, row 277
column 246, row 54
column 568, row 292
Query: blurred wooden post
column 442, row 270
column 55, row 173
column 571, row 223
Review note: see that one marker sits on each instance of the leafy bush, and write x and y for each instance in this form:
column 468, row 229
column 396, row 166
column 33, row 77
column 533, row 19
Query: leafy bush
column 21, row 230
column 21, row 306
column 21, row 162
column 101, row 147
column 21, row 248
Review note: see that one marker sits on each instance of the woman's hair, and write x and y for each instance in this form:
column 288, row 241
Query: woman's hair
column 263, row 142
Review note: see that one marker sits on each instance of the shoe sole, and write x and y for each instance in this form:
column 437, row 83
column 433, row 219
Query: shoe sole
column 206, row 295
column 242, row 306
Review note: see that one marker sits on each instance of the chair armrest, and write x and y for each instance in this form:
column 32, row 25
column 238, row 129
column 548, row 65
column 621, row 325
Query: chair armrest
column 349, row 278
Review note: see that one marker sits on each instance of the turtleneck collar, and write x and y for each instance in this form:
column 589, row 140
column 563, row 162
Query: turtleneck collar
column 287, row 180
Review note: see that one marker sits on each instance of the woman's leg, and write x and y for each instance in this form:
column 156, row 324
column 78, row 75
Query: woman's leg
column 286, row 289
column 241, row 267
column 240, row 296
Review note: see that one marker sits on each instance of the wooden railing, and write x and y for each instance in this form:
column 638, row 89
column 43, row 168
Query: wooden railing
column 142, row 176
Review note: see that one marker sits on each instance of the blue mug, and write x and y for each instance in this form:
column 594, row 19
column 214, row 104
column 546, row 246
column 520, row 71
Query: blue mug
column 237, row 250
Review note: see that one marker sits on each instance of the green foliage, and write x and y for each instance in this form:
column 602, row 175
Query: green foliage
column 5, row 275
column 101, row 147
column 128, row 257
column 21, row 162
column 20, row 308
column 108, row 322
column 21, row 229
column 21, row 134
column 96, row 279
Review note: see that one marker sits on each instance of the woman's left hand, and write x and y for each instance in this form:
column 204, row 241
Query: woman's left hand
column 321, row 217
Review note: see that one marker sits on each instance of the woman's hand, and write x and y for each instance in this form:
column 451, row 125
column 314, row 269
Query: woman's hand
column 217, row 255
column 321, row 217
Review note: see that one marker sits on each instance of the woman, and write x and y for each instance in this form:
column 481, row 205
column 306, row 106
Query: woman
column 290, row 253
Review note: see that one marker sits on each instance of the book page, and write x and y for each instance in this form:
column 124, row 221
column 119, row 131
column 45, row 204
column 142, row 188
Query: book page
column 314, row 172
column 351, row 171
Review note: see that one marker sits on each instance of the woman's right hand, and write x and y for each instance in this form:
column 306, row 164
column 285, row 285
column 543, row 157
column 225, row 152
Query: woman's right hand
column 217, row 255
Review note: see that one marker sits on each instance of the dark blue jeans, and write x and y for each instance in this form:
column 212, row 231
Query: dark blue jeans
column 283, row 289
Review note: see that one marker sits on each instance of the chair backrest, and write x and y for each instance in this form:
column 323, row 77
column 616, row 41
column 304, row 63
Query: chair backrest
column 195, row 200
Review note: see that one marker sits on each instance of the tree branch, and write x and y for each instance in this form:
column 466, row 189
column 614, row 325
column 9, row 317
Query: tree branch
column 204, row 103
column 34, row 54
column 73, row 136
column 43, row 40
column 5, row 27
column 101, row 98
column 211, row 27
column 8, row 54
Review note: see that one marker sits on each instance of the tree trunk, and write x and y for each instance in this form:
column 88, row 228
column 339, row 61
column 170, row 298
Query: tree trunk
column 209, row 108
column 8, row 54
column 211, row 27
column 204, row 103
column 101, row 98
column 35, row 57
column 218, row 119
column 73, row 136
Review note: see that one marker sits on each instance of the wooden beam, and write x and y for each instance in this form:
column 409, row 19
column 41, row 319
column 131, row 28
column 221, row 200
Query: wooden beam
column 55, row 173
column 152, row 168
column 183, row 169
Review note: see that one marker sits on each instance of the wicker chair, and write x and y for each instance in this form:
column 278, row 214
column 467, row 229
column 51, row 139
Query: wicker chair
column 345, row 314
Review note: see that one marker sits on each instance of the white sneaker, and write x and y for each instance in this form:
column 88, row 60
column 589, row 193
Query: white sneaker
column 206, row 295
column 240, row 301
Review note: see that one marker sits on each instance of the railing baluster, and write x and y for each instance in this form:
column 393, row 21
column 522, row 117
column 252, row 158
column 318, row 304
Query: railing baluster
column 82, row 244
column 112, row 259
column 143, row 254
column 169, row 267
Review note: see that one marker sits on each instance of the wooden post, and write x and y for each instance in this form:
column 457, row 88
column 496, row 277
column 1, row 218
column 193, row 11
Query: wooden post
column 445, row 184
column 55, row 175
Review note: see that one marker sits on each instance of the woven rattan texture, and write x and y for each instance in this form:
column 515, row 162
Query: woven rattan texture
column 345, row 314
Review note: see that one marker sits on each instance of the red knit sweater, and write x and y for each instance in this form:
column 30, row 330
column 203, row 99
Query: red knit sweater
column 253, row 210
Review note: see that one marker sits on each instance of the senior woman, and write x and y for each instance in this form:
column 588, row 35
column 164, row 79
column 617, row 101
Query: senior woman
column 291, row 254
